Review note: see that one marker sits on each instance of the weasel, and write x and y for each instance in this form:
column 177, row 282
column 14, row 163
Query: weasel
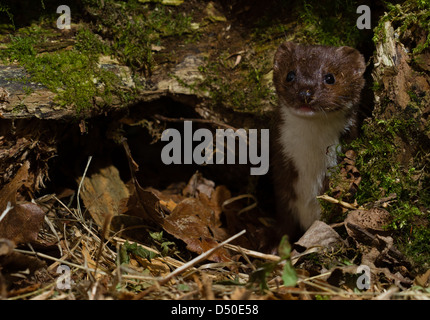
column 318, row 89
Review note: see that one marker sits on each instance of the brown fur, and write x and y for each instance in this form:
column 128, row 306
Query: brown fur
column 311, row 63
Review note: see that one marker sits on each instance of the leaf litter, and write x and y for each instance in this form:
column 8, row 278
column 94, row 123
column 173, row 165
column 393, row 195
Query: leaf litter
column 194, row 241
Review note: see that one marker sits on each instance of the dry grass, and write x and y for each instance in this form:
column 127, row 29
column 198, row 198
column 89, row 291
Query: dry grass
column 100, row 268
column 97, row 274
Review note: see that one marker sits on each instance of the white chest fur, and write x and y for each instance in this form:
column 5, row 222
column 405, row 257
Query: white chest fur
column 311, row 142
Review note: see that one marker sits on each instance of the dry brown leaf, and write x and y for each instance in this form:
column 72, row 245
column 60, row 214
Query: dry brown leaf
column 132, row 227
column 360, row 221
column 198, row 185
column 6, row 247
column 21, row 291
column 143, row 203
column 194, row 223
column 241, row 293
column 102, row 193
column 319, row 234
column 423, row 280
column 191, row 220
column 21, row 222
column 215, row 202
column 8, row 192
column 148, row 204
column 87, row 256
column 350, row 177
column 157, row 266
column 170, row 204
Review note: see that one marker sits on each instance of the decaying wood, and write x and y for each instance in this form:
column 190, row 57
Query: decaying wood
column 16, row 103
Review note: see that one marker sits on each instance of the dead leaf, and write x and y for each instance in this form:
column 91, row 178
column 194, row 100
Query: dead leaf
column 146, row 203
column 6, row 247
column 191, row 220
column 89, row 261
column 4, row 94
column 193, row 223
column 170, row 204
column 23, row 223
column 219, row 196
column 350, row 177
column 102, row 193
column 157, row 48
column 20, row 222
column 423, row 280
column 241, row 293
column 360, row 222
column 8, row 192
column 198, row 184
column 22, row 291
column 320, row 234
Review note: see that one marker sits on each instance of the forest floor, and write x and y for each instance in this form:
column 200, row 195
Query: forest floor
column 91, row 212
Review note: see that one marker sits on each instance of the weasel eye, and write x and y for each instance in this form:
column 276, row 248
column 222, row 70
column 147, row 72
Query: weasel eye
column 291, row 76
column 329, row 78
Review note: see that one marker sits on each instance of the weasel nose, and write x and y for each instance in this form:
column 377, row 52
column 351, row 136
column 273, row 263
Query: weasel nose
column 306, row 95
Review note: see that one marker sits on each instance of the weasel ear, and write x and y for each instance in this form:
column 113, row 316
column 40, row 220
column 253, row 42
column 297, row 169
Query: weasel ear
column 284, row 51
column 353, row 58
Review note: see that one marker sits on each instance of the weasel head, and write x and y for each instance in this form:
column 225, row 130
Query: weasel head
column 317, row 80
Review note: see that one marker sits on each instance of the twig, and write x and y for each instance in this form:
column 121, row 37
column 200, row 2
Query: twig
column 4, row 213
column 387, row 295
column 333, row 200
column 187, row 265
column 82, row 222
column 54, row 232
column 42, row 255
column 32, row 293
column 201, row 257
column 80, row 186
column 105, row 231
column 254, row 254
column 242, row 196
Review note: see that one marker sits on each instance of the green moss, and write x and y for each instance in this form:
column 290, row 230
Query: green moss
column 130, row 29
column 89, row 43
column 72, row 74
column 416, row 243
column 134, row 28
column 330, row 23
column 383, row 173
column 393, row 154
column 241, row 89
column 327, row 23
column 411, row 15
column 380, row 170
column 21, row 49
